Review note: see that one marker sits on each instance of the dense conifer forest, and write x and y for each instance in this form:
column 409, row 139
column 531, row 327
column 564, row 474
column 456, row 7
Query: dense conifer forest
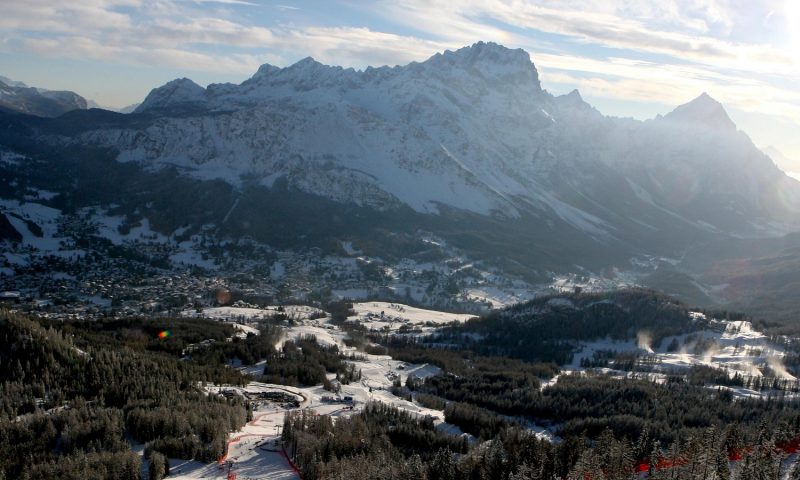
column 385, row 443
column 71, row 397
column 76, row 395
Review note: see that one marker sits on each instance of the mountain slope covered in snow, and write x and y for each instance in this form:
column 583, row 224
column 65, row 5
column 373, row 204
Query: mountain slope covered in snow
column 470, row 129
column 466, row 142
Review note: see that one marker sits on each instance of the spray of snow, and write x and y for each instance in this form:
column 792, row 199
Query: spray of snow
column 683, row 355
column 644, row 340
column 775, row 364
column 749, row 368
column 710, row 352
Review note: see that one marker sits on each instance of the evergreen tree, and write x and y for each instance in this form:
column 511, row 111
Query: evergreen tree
column 157, row 466
column 643, row 445
column 589, row 465
column 443, row 466
column 414, row 468
column 722, row 469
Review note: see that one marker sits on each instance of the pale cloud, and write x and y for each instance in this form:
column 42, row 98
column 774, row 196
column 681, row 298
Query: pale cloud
column 83, row 48
column 71, row 17
column 168, row 33
column 205, row 30
column 640, row 29
column 227, row 2
column 631, row 25
column 668, row 84
column 139, row 32
column 358, row 47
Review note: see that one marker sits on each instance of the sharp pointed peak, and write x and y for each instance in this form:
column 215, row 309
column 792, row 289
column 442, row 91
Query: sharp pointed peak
column 305, row 62
column 574, row 94
column 705, row 99
column 703, row 109
column 574, row 101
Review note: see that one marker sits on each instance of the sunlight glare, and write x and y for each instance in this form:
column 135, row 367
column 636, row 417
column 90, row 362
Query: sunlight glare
column 792, row 13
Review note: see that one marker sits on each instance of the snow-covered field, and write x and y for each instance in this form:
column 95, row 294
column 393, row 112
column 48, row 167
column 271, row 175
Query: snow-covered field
column 23, row 215
column 499, row 297
column 393, row 316
column 233, row 314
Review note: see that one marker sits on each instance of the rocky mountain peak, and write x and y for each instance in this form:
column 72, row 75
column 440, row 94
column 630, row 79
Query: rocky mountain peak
column 702, row 110
column 491, row 61
column 178, row 92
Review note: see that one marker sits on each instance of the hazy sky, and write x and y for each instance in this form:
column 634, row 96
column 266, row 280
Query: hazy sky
column 628, row 57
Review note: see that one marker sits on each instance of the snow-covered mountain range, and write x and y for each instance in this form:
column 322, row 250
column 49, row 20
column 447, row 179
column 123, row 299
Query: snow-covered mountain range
column 471, row 130
column 467, row 139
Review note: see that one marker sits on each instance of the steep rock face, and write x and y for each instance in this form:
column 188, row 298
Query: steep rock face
column 469, row 130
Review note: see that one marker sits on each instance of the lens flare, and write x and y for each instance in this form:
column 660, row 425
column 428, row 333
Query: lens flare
column 164, row 334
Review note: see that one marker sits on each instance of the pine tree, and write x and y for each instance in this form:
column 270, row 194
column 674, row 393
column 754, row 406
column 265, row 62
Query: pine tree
column 588, row 466
column 414, row 468
column 706, row 457
column 443, row 466
column 734, row 439
column 604, row 449
column 157, row 466
column 494, row 460
column 722, row 469
column 643, row 446
column 745, row 468
column 652, row 458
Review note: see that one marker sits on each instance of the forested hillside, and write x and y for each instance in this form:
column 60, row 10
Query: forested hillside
column 383, row 442
column 547, row 328
column 72, row 398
